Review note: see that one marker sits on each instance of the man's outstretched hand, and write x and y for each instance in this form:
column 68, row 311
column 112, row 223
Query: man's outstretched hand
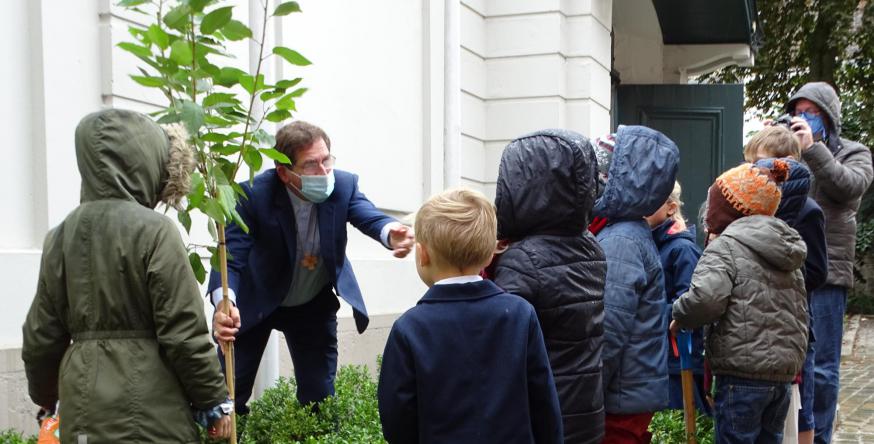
column 225, row 326
column 402, row 240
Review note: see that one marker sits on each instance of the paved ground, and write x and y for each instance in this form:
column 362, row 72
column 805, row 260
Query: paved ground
column 856, row 414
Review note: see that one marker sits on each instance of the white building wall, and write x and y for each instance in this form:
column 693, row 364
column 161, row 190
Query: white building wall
column 368, row 91
column 54, row 82
column 51, row 80
column 531, row 65
column 474, row 92
column 376, row 86
column 638, row 43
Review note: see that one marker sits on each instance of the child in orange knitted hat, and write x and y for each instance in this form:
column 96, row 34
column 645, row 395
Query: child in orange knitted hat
column 749, row 283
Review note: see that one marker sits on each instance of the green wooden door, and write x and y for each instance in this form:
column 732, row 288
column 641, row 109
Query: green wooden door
column 706, row 123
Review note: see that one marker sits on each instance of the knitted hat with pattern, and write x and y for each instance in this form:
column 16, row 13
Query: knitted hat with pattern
column 744, row 190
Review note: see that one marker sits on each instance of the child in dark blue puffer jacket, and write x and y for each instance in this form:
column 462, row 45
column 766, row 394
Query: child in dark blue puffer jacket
column 545, row 192
column 679, row 255
column 640, row 178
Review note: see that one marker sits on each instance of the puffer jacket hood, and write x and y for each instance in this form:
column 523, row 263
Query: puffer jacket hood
column 546, row 185
column 641, row 175
column 825, row 97
column 794, row 189
column 773, row 240
column 125, row 155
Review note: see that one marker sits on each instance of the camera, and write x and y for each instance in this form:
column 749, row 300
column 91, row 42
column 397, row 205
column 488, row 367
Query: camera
column 785, row 120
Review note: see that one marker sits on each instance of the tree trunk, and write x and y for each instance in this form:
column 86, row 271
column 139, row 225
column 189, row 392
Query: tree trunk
column 823, row 51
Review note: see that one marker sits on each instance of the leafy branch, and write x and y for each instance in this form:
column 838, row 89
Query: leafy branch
column 184, row 50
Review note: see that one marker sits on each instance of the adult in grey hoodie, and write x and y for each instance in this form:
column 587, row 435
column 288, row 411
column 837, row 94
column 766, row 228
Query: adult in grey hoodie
column 842, row 173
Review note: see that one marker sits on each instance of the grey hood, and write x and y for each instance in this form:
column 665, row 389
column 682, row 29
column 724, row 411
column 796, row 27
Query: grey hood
column 825, row 97
column 771, row 238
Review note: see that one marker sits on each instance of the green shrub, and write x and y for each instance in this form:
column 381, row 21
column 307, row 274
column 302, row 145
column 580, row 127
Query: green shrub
column 351, row 416
column 864, row 236
column 13, row 437
column 668, row 427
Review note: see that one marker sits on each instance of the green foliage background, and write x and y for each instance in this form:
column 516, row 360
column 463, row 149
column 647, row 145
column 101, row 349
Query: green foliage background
column 812, row 40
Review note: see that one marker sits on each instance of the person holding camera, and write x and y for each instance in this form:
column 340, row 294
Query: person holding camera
column 842, row 172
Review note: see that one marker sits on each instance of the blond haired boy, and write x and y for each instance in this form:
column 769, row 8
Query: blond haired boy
column 772, row 141
column 468, row 362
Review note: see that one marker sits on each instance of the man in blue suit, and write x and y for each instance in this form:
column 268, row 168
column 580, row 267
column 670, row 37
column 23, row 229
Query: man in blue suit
column 283, row 273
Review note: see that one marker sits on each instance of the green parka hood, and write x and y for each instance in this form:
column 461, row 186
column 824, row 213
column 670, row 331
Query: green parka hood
column 117, row 331
column 125, row 155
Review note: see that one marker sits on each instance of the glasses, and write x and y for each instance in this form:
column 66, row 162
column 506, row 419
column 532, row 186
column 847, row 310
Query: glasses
column 313, row 167
column 811, row 111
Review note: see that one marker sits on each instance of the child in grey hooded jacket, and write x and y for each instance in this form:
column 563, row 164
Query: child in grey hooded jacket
column 749, row 283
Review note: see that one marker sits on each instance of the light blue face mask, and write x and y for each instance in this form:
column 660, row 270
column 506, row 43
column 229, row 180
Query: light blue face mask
column 316, row 189
column 817, row 125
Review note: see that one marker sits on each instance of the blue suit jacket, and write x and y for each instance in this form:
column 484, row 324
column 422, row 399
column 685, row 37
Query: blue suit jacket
column 260, row 263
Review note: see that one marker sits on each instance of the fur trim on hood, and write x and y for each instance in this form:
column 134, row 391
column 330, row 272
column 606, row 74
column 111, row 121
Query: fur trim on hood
column 180, row 164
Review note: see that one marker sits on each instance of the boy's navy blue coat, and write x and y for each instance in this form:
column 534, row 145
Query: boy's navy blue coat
column 803, row 214
column 679, row 255
column 467, row 364
column 640, row 179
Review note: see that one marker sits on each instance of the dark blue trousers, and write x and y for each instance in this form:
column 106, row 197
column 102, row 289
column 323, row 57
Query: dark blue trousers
column 311, row 334
column 828, row 305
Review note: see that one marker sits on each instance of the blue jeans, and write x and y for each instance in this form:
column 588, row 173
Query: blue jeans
column 828, row 305
column 750, row 411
